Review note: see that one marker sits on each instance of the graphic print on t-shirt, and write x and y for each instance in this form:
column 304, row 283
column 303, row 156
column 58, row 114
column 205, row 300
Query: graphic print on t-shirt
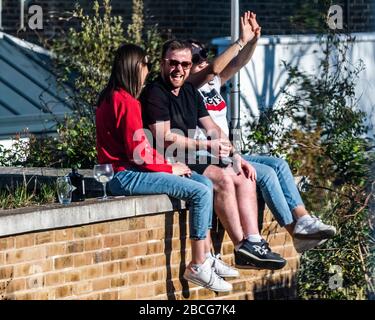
column 213, row 100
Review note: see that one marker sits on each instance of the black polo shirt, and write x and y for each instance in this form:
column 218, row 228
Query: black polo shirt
column 183, row 111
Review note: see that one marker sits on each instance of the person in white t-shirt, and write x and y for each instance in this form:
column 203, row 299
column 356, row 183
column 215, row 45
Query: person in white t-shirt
column 274, row 178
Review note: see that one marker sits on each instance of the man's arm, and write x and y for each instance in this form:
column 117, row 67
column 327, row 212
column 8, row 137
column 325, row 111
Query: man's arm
column 220, row 62
column 245, row 54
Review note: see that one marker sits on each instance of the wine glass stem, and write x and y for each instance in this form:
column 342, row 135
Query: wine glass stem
column 104, row 190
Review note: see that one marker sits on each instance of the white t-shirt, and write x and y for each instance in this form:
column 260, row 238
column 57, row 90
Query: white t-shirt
column 215, row 104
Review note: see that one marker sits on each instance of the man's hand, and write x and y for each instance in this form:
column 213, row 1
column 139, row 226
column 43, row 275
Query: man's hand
column 240, row 166
column 220, row 147
column 246, row 30
column 256, row 29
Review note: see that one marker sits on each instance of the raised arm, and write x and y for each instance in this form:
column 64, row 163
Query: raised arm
column 217, row 66
column 247, row 52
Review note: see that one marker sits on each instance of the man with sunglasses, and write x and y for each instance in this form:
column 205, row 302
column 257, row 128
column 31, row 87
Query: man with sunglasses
column 172, row 108
column 274, row 178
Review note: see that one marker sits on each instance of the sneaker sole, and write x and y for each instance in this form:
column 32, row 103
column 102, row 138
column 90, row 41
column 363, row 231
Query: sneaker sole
column 227, row 276
column 205, row 286
column 321, row 235
column 313, row 247
column 261, row 264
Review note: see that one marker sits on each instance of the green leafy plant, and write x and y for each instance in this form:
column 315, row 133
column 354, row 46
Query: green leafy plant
column 319, row 129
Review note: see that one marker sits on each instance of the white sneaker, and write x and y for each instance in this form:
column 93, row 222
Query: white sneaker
column 221, row 268
column 206, row 277
column 311, row 227
column 302, row 245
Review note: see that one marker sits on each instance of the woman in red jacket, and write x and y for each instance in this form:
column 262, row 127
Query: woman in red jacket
column 140, row 169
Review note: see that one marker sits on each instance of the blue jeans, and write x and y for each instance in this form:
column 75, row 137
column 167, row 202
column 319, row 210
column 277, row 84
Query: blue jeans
column 277, row 186
column 197, row 191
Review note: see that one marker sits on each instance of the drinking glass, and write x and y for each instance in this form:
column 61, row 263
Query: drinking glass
column 103, row 173
column 64, row 190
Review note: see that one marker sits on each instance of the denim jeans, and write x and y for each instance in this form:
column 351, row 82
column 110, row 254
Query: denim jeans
column 196, row 190
column 277, row 186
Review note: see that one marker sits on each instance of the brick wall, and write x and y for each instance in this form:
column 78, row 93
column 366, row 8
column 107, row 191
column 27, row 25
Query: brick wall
column 196, row 18
column 134, row 258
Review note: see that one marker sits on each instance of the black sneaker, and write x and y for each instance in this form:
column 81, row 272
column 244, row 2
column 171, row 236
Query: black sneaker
column 257, row 255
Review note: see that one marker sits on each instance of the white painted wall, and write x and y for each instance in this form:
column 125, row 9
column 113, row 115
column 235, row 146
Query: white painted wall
column 264, row 77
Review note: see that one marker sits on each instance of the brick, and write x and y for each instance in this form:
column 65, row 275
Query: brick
column 25, row 254
column 92, row 272
column 155, row 247
column 101, row 284
column 137, row 250
column 119, row 253
column 64, row 291
column 130, row 237
column 102, row 256
column 2, row 258
column 82, row 288
column 101, row 228
column 111, row 268
column 146, row 262
column 111, row 295
column 112, row 241
column 154, row 221
column 73, row 276
column 41, row 295
column 93, row 244
column 121, row 281
column 145, row 291
column 63, row 262
column 45, row 237
column 156, row 275
column 137, row 223
column 119, row 226
column 127, row 294
column 56, row 249
column 75, row 246
column 26, row 240
column 52, row 279
column 7, row 243
column 82, row 232
column 6, row 273
column 82, row 259
column 136, row 278
column 128, row 265
column 64, row 235
column 29, row 268
column 15, row 285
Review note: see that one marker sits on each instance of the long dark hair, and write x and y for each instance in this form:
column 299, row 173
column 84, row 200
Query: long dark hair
column 125, row 72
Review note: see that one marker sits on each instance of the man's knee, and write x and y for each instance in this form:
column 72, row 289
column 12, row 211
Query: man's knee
column 221, row 180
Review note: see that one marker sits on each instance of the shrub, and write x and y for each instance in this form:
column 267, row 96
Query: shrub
column 320, row 131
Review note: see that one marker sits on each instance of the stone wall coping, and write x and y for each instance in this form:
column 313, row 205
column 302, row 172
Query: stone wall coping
column 55, row 216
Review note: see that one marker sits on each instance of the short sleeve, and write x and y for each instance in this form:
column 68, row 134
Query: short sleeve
column 202, row 111
column 155, row 105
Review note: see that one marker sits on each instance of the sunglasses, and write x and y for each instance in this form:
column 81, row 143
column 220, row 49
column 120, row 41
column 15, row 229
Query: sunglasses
column 175, row 63
column 201, row 55
column 147, row 63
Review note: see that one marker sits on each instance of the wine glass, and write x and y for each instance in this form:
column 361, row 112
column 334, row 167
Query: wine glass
column 64, row 190
column 103, row 173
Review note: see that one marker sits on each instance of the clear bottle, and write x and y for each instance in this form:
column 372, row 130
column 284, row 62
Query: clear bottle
column 77, row 180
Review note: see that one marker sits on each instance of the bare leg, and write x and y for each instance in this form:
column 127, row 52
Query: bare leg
column 300, row 211
column 197, row 251
column 225, row 202
column 207, row 243
column 247, row 203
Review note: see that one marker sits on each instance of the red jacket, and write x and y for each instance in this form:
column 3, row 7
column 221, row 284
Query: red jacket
column 117, row 121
